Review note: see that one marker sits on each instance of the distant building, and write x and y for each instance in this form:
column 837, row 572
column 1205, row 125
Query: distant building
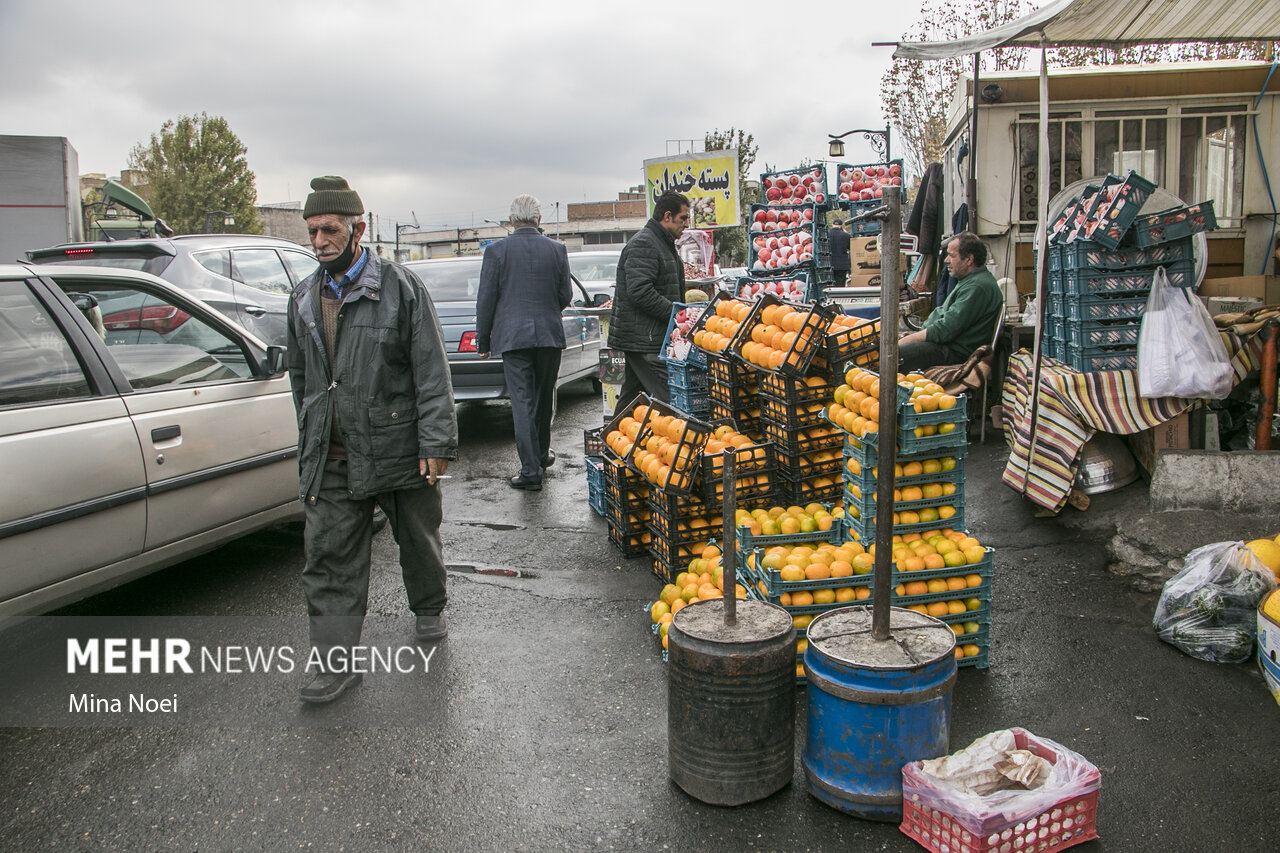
column 284, row 220
column 589, row 225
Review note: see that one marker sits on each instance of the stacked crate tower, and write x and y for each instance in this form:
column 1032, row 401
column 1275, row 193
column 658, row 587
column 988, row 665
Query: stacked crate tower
column 1103, row 256
column 929, row 498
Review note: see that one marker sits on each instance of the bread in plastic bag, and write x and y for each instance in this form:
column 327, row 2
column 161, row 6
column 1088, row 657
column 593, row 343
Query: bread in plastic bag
column 1209, row 609
column 948, row 784
column 1180, row 352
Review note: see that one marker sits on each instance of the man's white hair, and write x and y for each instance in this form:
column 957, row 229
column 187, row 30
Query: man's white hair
column 525, row 208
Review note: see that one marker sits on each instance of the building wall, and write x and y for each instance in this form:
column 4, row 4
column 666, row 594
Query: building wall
column 1237, row 249
column 284, row 222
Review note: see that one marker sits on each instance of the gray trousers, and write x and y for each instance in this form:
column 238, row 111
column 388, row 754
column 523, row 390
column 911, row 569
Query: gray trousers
column 531, row 384
column 918, row 355
column 645, row 372
column 337, row 540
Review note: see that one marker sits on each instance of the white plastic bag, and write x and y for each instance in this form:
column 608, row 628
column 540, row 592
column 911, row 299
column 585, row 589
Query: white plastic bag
column 1180, row 353
column 947, row 784
column 1209, row 609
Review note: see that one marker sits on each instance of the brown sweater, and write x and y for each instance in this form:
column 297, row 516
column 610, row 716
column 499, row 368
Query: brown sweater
column 330, row 306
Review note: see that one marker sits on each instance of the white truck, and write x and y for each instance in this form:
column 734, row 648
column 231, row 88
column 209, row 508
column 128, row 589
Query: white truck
column 39, row 194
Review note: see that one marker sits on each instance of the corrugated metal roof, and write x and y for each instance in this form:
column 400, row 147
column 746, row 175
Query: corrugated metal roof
column 1116, row 23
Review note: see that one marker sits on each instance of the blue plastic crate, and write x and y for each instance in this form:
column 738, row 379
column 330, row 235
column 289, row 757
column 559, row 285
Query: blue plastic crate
column 685, row 352
column 1114, row 215
column 865, row 530
column 1087, row 334
column 1090, row 254
column 862, row 483
column 1132, row 281
column 818, row 172
column 696, row 403
column 1095, row 307
column 686, row 377
column 1156, row 229
column 1094, row 359
column 843, row 175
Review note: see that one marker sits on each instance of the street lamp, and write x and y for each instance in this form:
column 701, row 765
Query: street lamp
column 878, row 139
column 400, row 228
column 227, row 219
column 499, row 224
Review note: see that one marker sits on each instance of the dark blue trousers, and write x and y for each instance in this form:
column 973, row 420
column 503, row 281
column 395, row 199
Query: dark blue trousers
column 531, row 385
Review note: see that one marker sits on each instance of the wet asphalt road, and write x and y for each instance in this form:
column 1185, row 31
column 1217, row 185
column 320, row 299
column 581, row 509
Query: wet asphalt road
column 541, row 722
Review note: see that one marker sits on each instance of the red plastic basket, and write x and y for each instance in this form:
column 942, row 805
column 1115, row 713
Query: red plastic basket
column 1070, row 821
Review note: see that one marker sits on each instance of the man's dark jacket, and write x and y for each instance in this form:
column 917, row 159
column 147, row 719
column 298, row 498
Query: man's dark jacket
column 838, row 242
column 650, row 278
column 389, row 383
column 524, row 285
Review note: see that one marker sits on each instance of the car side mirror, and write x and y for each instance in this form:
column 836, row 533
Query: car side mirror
column 274, row 362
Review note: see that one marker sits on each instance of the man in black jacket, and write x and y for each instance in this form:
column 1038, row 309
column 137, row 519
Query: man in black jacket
column 838, row 242
column 650, row 278
column 524, row 285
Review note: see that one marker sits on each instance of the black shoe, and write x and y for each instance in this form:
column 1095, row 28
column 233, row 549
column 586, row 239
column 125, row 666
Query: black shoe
column 519, row 482
column 430, row 626
column 379, row 519
column 549, row 459
column 327, row 686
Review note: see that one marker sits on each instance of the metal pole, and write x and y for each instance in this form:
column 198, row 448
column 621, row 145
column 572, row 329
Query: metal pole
column 971, row 191
column 1267, row 411
column 890, row 276
column 888, row 152
column 729, row 555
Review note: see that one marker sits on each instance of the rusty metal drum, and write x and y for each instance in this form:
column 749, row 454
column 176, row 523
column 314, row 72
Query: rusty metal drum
column 874, row 706
column 731, row 701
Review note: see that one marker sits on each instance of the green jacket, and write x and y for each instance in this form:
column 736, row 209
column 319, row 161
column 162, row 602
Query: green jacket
column 390, row 381
column 967, row 318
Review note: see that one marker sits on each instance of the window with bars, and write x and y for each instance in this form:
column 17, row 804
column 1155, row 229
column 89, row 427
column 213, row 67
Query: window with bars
column 1199, row 150
column 1065, row 160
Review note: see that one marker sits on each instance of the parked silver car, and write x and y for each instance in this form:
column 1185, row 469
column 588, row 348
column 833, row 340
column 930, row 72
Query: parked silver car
column 246, row 277
column 597, row 270
column 454, row 284
column 123, row 405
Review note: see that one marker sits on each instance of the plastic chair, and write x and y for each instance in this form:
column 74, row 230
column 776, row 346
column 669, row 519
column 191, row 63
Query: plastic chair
column 973, row 377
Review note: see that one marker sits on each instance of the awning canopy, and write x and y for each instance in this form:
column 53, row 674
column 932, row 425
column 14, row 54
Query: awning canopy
column 1116, row 24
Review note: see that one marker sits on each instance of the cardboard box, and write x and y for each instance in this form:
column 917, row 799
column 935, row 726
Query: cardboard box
column 1229, row 304
column 1264, row 287
column 864, row 278
column 1170, row 435
column 1269, row 650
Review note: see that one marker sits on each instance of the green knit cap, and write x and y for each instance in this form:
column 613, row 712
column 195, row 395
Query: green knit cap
column 331, row 194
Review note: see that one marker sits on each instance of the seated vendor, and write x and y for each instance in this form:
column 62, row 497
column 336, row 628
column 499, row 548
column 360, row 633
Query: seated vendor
column 966, row 319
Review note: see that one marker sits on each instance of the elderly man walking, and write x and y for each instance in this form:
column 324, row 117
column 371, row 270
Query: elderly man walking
column 376, row 425
column 524, row 285
column 650, row 278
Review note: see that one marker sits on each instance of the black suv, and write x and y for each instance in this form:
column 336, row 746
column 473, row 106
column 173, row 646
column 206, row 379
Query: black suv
column 248, row 278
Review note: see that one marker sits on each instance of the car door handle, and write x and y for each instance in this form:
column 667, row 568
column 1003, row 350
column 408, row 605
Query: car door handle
column 165, row 433
column 255, row 311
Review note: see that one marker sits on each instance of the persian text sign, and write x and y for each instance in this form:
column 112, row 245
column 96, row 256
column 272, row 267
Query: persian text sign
column 710, row 180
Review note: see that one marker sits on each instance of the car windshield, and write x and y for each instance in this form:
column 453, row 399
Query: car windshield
column 450, row 281
column 589, row 268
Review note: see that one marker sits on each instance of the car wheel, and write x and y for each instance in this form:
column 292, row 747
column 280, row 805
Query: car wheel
column 379, row 519
column 596, row 386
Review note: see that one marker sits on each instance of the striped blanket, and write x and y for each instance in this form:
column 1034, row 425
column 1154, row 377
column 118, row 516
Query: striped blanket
column 1072, row 407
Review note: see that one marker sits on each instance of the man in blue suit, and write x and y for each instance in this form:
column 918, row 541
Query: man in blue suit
column 524, row 285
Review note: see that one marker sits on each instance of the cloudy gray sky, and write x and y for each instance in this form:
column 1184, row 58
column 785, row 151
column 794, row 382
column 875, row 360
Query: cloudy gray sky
column 448, row 109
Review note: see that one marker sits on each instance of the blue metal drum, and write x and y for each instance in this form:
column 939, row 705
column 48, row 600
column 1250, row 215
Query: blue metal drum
column 875, row 706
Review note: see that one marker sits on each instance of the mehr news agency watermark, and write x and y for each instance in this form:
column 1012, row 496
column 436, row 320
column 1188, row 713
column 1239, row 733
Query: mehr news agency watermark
column 175, row 656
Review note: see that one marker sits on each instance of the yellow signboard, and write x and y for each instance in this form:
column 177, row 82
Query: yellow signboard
column 710, row 180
